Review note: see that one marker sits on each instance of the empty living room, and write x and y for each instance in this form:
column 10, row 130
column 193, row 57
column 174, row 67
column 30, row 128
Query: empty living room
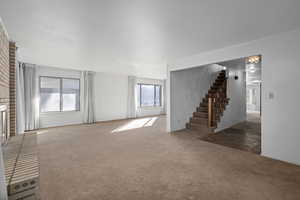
column 149, row 100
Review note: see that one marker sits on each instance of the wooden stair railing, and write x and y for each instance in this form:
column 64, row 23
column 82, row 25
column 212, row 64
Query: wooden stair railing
column 212, row 106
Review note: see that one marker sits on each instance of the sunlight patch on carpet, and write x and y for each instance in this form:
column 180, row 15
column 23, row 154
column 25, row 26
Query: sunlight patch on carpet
column 136, row 123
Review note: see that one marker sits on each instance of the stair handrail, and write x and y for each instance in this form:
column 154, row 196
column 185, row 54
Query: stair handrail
column 216, row 99
column 212, row 102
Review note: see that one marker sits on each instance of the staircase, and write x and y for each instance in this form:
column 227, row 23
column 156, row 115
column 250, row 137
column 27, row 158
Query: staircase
column 211, row 109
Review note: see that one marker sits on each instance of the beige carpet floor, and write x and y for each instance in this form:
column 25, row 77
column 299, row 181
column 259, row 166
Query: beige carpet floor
column 107, row 162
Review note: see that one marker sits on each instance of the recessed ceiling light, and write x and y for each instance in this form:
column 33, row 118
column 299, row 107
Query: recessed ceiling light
column 256, row 81
column 252, row 67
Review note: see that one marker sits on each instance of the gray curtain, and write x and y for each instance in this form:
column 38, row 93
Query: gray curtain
column 3, row 192
column 27, row 98
column 132, row 97
column 165, row 97
column 20, row 99
column 88, row 97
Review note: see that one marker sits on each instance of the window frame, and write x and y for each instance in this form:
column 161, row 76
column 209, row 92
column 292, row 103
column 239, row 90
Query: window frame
column 60, row 94
column 160, row 95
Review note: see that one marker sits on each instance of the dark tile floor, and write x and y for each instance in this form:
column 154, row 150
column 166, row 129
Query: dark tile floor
column 244, row 136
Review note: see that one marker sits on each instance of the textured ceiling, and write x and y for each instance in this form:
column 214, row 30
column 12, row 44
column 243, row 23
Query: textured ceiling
column 138, row 37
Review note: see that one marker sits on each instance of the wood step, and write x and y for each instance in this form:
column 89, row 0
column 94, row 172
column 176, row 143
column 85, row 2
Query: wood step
column 217, row 105
column 204, row 100
column 200, row 114
column 218, row 83
column 204, row 104
column 200, row 127
column 216, row 90
column 202, row 109
column 199, row 120
column 220, row 79
column 204, row 118
column 215, row 87
column 203, row 121
column 221, row 76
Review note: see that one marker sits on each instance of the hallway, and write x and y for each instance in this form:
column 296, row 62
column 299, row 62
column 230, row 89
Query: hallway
column 245, row 136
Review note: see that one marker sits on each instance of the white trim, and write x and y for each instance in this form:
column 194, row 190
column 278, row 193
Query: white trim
column 3, row 108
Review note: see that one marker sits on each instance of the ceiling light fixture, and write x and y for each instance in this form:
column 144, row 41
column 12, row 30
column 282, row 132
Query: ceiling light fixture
column 254, row 59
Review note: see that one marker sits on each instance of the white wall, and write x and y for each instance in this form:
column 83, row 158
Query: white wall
column 188, row 88
column 51, row 119
column 110, row 96
column 280, row 79
column 236, row 110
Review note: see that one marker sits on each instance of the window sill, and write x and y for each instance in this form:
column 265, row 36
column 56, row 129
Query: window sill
column 59, row 112
column 142, row 107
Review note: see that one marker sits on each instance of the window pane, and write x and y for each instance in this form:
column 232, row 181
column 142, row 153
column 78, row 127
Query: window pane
column 49, row 94
column 70, row 94
column 147, row 95
column 157, row 95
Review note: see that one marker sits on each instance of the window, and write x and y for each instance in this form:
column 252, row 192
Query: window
column 70, row 94
column 149, row 95
column 59, row 94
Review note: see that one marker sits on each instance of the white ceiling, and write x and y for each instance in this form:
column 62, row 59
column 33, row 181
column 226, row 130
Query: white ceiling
column 137, row 36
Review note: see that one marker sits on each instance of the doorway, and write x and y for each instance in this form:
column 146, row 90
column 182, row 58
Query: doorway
column 246, row 133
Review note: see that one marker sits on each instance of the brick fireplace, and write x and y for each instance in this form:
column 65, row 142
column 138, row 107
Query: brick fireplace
column 4, row 100
column 7, row 84
column 4, row 82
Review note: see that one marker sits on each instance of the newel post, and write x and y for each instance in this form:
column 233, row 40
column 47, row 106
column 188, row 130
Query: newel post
column 210, row 102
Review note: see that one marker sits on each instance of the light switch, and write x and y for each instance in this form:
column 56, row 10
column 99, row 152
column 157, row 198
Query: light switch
column 271, row 95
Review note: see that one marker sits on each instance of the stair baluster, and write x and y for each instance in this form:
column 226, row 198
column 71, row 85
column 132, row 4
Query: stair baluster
column 212, row 106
